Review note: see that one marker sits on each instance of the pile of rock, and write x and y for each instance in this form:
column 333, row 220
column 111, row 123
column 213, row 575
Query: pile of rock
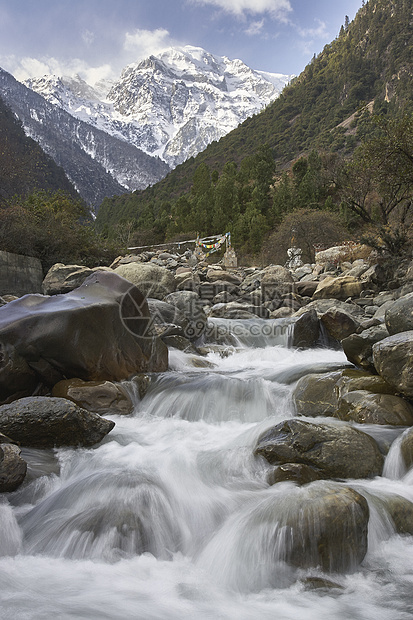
column 93, row 328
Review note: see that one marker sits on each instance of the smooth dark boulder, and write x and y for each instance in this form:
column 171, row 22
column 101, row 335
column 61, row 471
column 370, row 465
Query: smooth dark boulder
column 393, row 360
column 399, row 316
column 306, row 330
column 336, row 450
column 12, row 468
column 47, row 422
column 399, row 509
column 365, row 408
column 100, row 331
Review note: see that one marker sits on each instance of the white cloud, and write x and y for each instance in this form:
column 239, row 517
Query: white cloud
column 278, row 9
column 255, row 28
column 319, row 32
column 28, row 67
column 142, row 43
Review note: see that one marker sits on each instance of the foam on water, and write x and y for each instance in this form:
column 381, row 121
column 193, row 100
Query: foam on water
column 157, row 521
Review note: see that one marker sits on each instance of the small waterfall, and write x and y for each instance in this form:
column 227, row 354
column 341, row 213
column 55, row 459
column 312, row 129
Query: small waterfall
column 171, row 516
column 394, row 466
column 256, row 333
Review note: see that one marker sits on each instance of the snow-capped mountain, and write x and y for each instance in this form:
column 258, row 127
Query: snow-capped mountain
column 171, row 105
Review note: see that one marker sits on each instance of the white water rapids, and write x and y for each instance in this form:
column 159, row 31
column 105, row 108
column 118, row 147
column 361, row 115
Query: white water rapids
column 161, row 520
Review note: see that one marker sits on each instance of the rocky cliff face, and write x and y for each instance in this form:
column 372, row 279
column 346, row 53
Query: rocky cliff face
column 171, row 105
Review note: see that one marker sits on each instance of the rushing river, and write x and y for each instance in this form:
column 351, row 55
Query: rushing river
column 161, row 520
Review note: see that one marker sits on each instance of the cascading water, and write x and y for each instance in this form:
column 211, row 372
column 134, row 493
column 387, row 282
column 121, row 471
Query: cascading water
column 171, row 516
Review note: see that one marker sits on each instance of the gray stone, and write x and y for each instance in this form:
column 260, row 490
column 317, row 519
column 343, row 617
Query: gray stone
column 151, row 279
column 47, row 422
column 315, row 394
column 365, row 408
column 335, row 451
column 359, row 347
column 98, row 396
column 393, row 360
column 65, row 278
column 12, row 468
column 399, row 316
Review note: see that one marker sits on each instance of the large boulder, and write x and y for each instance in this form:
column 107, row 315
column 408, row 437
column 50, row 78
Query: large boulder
column 365, row 408
column 47, row 422
column 334, row 450
column 12, row 468
column 338, row 288
column 359, row 347
column 393, row 360
column 339, row 324
column 65, row 278
column 321, row 306
column 399, row 316
column 152, row 280
column 275, row 282
column 215, row 275
column 98, row 332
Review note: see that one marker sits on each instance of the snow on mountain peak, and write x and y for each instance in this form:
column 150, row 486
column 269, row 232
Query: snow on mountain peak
column 172, row 104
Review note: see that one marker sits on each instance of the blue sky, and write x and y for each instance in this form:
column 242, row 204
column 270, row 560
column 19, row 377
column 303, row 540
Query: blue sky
column 97, row 38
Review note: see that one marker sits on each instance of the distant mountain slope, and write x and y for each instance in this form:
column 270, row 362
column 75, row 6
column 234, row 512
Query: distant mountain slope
column 370, row 61
column 24, row 167
column 171, row 105
column 97, row 163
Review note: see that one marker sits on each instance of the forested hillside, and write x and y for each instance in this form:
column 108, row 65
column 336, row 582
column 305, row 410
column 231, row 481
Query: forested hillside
column 298, row 153
column 24, row 166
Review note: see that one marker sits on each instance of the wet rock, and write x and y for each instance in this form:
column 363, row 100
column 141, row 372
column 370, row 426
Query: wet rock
column 399, row 509
column 306, row 330
column 339, row 324
column 353, row 379
column 181, row 343
column 365, row 408
column 342, row 288
column 393, row 360
column 406, row 448
column 359, row 347
column 47, row 422
column 65, row 278
column 97, row 332
column 152, row 280
column 399, row 316
column 12, row 468
column 293, row 472
column 319, row 583
column 325, row 527
column 98, row 396
column 336, row 451
column 316, row 395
